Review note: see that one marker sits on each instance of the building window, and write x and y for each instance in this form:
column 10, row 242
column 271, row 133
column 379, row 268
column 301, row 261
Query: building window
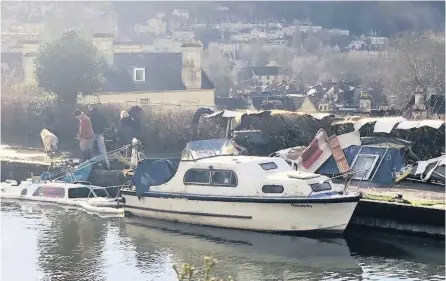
column 190, row 63
column 144, row 102
column 139, row 74
column 210, row 177
column 192, row 76
column 364, row 165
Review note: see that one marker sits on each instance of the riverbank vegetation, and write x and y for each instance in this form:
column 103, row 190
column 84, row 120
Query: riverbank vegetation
column 24, row 116
column 189, row 272
column 393, row 199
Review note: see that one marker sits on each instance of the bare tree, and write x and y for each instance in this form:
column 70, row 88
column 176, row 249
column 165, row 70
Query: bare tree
column 219, row 69
column 414, row 61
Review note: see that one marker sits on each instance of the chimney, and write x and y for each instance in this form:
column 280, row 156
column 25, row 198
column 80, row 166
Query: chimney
column 29, row 52
column 419, row 101
column 104, row 43
column 365, row 102
column 191, row 64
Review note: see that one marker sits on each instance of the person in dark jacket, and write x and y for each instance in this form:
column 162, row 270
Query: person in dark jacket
column 135, row 112
column 126, row 129
column 99, row 123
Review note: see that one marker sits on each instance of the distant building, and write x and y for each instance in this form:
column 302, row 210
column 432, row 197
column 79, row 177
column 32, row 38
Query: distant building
column 136, row 74
column 426, row 104
column 266, row 75
column 337, row 31
column 377, row 42
column 181, row 13
column 156, row 26
column 183, row 35
column 356, row 45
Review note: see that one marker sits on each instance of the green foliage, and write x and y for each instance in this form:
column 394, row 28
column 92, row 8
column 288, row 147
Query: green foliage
column 189, row 273
column 67, row 65
column 390, row 198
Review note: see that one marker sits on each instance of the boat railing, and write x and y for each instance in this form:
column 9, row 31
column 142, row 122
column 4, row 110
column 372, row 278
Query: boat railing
column 349, row 175
column 70, row 171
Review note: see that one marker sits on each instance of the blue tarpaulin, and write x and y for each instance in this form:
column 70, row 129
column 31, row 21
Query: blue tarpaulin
column 82, row 173
column 149, row 173
column 393, row 159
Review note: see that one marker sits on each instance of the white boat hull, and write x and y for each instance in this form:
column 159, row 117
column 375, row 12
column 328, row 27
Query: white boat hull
column 272, row 217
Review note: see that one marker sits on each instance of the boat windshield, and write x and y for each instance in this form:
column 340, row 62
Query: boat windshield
column 101, row 192
column 208, row 148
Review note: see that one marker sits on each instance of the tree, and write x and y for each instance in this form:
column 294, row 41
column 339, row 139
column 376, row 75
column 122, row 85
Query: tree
column 219, row 70
column 414, row 61
column 67, row 65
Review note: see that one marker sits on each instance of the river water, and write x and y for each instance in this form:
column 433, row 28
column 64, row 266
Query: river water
column 51, row 243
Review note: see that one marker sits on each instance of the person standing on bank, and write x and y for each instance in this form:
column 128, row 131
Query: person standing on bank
column 125, row 131
column 85, row 134
column 99, row 123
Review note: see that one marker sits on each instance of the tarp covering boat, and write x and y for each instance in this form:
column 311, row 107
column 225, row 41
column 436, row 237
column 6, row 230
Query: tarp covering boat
column 151, row 173
column 432, row 169
column 381, row 159
column 82, row 173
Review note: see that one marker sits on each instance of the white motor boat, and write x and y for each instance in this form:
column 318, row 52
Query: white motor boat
column 210, row 186
column 78, row 194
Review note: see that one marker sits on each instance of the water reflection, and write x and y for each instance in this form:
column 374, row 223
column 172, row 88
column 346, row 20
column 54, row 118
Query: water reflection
column 243, row 254
column 44, row 243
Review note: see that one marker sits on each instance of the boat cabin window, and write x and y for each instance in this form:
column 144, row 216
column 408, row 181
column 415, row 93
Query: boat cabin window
column 208, row 177
column 80, row 192
column 24, row 191
column 50, row 191
column 197, row 177
column 364, row 165
column 316, row 187
column 268, row 166
column 223, row 178
column 101, row 192
column 272, row 189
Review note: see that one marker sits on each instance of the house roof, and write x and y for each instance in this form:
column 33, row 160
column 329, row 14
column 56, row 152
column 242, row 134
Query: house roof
column 231, row 103
column 162, row 73
column 268, row 70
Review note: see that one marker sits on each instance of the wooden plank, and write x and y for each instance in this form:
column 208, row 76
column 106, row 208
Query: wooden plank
column 338, row 155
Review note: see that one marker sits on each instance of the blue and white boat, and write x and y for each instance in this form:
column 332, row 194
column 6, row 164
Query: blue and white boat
column 212, row 185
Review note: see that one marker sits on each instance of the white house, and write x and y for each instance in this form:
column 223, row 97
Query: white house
column 182, row 13
column 184, row 35
column 156, row 26
column 341, row 32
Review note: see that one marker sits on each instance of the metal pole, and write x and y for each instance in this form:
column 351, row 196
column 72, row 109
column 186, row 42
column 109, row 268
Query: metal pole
column 379, row 164
column 228, row 128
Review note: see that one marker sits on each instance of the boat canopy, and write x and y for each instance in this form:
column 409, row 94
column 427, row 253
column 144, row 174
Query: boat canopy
column 196, row 150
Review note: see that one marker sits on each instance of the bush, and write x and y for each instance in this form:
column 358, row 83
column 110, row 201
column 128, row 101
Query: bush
column 163, row 131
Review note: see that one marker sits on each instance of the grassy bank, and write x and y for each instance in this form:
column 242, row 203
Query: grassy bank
column 24, row 116
column 390, row 199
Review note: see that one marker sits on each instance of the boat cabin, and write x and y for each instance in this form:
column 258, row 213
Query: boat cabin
column 61, row 190
column 214, row 168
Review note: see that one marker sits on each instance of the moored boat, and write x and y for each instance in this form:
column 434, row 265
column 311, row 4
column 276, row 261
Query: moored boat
column 78, row 194
column 213, row 186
